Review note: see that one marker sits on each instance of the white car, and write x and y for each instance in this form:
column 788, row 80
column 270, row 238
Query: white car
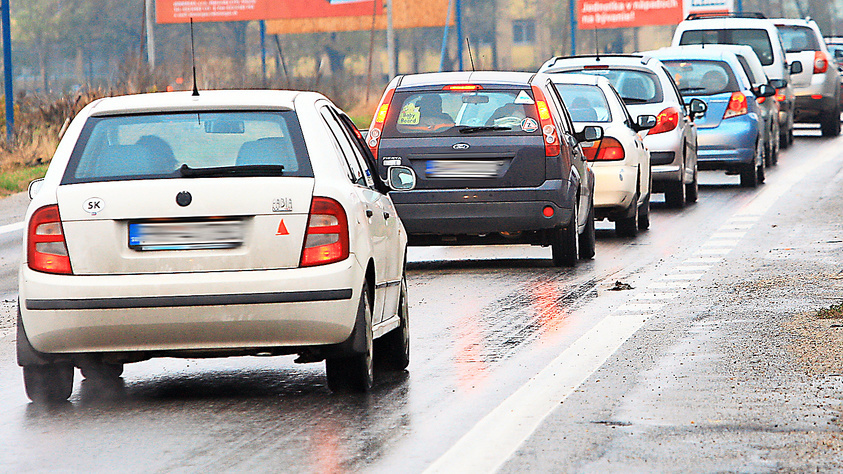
column 646, row 87
column 620, row 161
column 229, row 223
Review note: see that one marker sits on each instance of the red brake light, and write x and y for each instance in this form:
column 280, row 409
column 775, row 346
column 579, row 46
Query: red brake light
column 46, row 249
column 374, row 135
column 737, row 105
column 462, row 87
column 591, row 150
column 780, row 95
column 820, row 62
column 666, row 121
column 761, row 100
column 552, row 147
column 610, row 150
column 326, row 239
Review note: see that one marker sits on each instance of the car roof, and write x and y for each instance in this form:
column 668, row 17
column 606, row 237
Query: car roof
column 207, row 100
column 721, row 23
column 464, row 77
column 694, row 52
column 793, row 21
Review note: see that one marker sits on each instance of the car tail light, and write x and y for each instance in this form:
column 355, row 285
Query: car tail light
column 820, row 62
column 737, row 105
column 610, row 150
column 666, row 120
column 326, row 238
column 760, row 100
column 780, row 95
column 462, row 87
column 591, row 150
column 552, row 147
column 46, row 249
column 376, row 129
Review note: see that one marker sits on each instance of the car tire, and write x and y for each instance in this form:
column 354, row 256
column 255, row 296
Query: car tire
column 776, row 142
column 588, row 239
column 786, row 138
column 392, row 350
column 628, row 226
column 674, row 194
column 692, row 189
column 564, row 243
column 644, row 214
column 830, row 124
column 749, row 171
column 49, row 383
column 356, row 372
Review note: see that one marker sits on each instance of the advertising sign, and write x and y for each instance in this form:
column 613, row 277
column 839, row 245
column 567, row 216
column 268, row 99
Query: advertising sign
column 407, row 14
column 181, row 11
column 709, row 6
column 597, row 14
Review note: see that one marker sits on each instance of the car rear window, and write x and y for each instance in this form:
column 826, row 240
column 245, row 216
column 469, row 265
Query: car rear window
column 457, row 113
column 798, row 38
column 702, row 77
column 585, row 103
column 757, row 39
column 635, row 86
column 148, row 146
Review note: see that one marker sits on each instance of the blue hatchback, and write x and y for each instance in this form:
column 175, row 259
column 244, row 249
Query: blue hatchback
column 731, row 133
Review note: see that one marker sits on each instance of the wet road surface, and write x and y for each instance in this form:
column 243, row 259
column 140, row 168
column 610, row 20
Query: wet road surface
column 515, row 365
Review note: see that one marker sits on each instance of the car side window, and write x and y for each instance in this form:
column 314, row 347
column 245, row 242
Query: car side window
column 357, row 147
column 564, row 118
column 345, row 149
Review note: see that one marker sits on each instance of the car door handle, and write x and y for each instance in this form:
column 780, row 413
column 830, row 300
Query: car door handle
column 369, row 213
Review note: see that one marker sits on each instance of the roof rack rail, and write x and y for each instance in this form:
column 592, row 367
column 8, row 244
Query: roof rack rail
column 699, row 16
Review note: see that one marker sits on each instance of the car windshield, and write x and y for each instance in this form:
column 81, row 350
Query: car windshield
column 702, row 77
column 166, row 145
column 757, row 39
column 458, row 113
column 798, row 38
column 633, row 85
column 585, row 103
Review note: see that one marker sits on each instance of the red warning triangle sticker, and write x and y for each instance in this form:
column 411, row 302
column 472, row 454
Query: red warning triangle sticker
column 282, row 229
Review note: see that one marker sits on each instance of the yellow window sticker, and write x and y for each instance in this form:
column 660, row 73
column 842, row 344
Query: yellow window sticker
column 409, row 115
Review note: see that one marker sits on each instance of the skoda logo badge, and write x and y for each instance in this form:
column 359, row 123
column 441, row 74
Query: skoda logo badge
column 184, row 199
column 460, row 146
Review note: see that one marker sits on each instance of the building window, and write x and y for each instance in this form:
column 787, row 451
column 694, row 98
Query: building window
column 523, row 31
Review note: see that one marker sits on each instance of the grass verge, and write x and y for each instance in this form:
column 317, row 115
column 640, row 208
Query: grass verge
column 18, row 179
column 832, row 312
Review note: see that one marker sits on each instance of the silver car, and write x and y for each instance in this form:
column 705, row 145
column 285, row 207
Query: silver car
column 647, row 88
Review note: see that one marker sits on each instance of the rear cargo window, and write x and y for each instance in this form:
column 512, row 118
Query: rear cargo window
column 798, row 38
column 757, row 39
column 633, row 85
column 451, row 113
column 585, row 103
column 702, row 77
column 155, row 146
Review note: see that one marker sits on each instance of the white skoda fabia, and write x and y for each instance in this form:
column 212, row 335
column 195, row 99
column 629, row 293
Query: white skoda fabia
column 229, row 223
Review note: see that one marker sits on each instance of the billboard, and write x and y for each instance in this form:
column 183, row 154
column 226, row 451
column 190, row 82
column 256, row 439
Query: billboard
column 407, row 14
column 709, row 6
column 182, row 11
column 597, row 14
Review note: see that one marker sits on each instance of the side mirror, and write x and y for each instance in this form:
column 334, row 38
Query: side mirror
column 35, row 186
column 764, row 90
column 644, row 122
column 778, row 83
column 589, row 134
column 796, row 67
column 696, row 108
column 401, row 178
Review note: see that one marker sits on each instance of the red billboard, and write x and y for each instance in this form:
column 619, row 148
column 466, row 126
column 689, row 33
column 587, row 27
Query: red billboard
column 597, row 14
column 181, row 11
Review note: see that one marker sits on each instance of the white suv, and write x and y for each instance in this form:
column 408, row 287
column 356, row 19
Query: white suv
column 817, row 87
column 754, row 30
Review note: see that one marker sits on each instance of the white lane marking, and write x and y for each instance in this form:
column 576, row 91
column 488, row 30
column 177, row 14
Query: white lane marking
column 682, row 276
column 713, row 251
column 655, row 296
column 720, row 243
column 493, row 440
column 5, row 229
column 693, row 268
column 669, row 284
column 704, row 260
column 630, row 307
column 728, row 235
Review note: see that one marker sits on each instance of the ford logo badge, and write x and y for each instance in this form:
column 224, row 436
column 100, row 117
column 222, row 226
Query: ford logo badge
column 460, row 146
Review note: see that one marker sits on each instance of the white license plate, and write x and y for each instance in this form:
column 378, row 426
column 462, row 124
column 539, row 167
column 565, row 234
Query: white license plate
column 221, row 234
column 463, row 169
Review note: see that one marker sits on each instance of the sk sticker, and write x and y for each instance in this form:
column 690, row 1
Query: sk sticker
column 523, row 98
column 93, row 205
column 529, row 125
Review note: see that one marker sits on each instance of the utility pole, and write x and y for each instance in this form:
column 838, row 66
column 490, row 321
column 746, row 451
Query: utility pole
column 150, row 33
column 390, row 40
column 7, row 71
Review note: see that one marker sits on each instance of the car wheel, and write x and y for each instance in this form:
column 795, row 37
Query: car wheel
column 564, row 243
column 831, row 124
column 776, row 145
column 50, row 383
column 392, row 350
column 644, row 214
column 355, row 373
column 628, row 226
column 588, row 239
column 674, row 194
column 692, row 189
column 768, row 154
column 761, row 171
column 749, row 171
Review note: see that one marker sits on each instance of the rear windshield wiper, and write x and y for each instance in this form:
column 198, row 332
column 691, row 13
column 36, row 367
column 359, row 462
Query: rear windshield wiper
column 483, row 129
column 689, row 89
column 633, row 100
column 223, row 171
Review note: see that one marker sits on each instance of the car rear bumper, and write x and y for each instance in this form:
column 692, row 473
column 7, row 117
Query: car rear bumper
column 732, row 142
column 483, row 211
column 615, row 186
column 812, row 107
column 190, row 311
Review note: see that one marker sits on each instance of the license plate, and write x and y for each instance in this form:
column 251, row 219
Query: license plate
column 186, row 235
column 463, row 169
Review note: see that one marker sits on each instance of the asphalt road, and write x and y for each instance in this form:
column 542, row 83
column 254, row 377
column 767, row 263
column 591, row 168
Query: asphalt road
column 713, row 361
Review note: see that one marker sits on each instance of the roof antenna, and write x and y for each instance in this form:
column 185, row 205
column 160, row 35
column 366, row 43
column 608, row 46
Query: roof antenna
column 596, row 46
column 470, row 57
column 193, row 58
